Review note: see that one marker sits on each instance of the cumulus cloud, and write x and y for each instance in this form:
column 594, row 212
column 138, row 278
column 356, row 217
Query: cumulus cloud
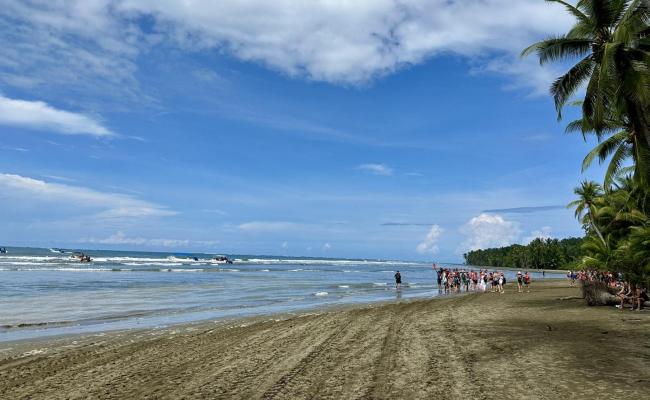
column 377, row 169
column 41, row 116
column 542, row 233
column 338, row 42
column 429, row 244
column 489, row 230
column 108, row 205
column 121, row 238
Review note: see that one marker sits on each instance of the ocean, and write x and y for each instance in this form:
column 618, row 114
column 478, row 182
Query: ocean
column 44, row 292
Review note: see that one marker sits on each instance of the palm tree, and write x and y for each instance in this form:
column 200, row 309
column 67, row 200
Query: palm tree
column 635, row 251
column 599, row 255
column 612, row 40
column 589, row 194
column 621, row 146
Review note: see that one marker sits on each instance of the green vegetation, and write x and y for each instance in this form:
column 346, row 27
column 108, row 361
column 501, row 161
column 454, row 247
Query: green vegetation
column 611, row 41
column 540, row 253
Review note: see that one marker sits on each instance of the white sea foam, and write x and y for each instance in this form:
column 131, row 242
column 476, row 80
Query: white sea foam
column 186, row 270
column 290, row 261
column 344, row 286
column 320, row 294
column 380, row 283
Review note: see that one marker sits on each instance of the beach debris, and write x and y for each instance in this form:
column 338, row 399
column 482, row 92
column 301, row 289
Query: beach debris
column 548, row 327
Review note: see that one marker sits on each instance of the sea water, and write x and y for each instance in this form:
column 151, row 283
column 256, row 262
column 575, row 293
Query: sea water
column 44, row 292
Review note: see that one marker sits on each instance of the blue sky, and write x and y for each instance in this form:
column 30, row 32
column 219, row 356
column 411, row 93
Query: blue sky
column 370, row 129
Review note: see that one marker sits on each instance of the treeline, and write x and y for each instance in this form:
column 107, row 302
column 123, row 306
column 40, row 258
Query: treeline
column 540, row 253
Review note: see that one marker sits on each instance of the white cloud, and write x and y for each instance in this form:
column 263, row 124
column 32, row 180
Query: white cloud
column 332, row 41
column 120, row 238
column 489, row 230
column 12, row 148
column 542, row 233
column 268, row 226
column 377, row 169
column 429, row 244
column 40, row 115
column 525, row 73
column 327, row 247
column 109, row 205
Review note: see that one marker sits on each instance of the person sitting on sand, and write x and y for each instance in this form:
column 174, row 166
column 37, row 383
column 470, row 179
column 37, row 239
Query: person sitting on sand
column 625, row 294
column 398, row 280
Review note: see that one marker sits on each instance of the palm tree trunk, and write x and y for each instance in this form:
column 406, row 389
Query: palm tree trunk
column 600, row 235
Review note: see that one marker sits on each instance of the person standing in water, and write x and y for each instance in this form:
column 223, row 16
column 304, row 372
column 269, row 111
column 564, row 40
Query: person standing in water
column 398, row 280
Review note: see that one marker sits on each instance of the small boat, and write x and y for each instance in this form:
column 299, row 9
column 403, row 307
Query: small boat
column 221, row 260
column 81, row 257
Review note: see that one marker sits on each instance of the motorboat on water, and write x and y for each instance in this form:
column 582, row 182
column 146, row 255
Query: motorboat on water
column 219, row 259
column 81, row 257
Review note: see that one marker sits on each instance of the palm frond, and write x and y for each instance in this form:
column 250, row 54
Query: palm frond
column 605, row 148
column 568, row 83
column 558, row 48
column 623, row 153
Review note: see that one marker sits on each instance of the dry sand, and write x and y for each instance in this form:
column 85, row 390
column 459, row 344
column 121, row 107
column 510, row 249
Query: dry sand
column 510, row 346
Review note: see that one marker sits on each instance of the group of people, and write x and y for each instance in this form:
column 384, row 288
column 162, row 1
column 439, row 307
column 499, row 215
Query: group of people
column 457, row 280
column 632, row 294
column 627, row 292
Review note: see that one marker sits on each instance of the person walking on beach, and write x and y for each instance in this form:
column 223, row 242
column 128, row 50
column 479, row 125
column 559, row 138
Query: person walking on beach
column 520, row 281
column 398, row 280
column 527, row 282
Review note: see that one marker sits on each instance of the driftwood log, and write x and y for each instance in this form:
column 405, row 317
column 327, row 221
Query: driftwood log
column 599, row 294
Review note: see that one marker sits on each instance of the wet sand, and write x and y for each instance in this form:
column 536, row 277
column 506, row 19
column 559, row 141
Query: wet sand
column 510, row 346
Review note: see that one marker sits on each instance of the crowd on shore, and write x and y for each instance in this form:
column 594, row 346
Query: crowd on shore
column 461, row 280
column 630, row 293
column 457, row 280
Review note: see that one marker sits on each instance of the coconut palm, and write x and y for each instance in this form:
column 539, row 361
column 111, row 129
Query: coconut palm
column 599, row 255
column 622, row 145
column 635, row 252
column 589, row 193
column 611, row 39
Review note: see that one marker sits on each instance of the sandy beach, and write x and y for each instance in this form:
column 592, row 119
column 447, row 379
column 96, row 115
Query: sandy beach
column 477, row 346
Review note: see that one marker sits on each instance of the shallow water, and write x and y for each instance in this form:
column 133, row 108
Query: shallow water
column 45, row 293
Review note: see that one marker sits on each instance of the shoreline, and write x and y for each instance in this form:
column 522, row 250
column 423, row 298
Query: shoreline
column 36, row 331
column 532, row 344
column 220, row 322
